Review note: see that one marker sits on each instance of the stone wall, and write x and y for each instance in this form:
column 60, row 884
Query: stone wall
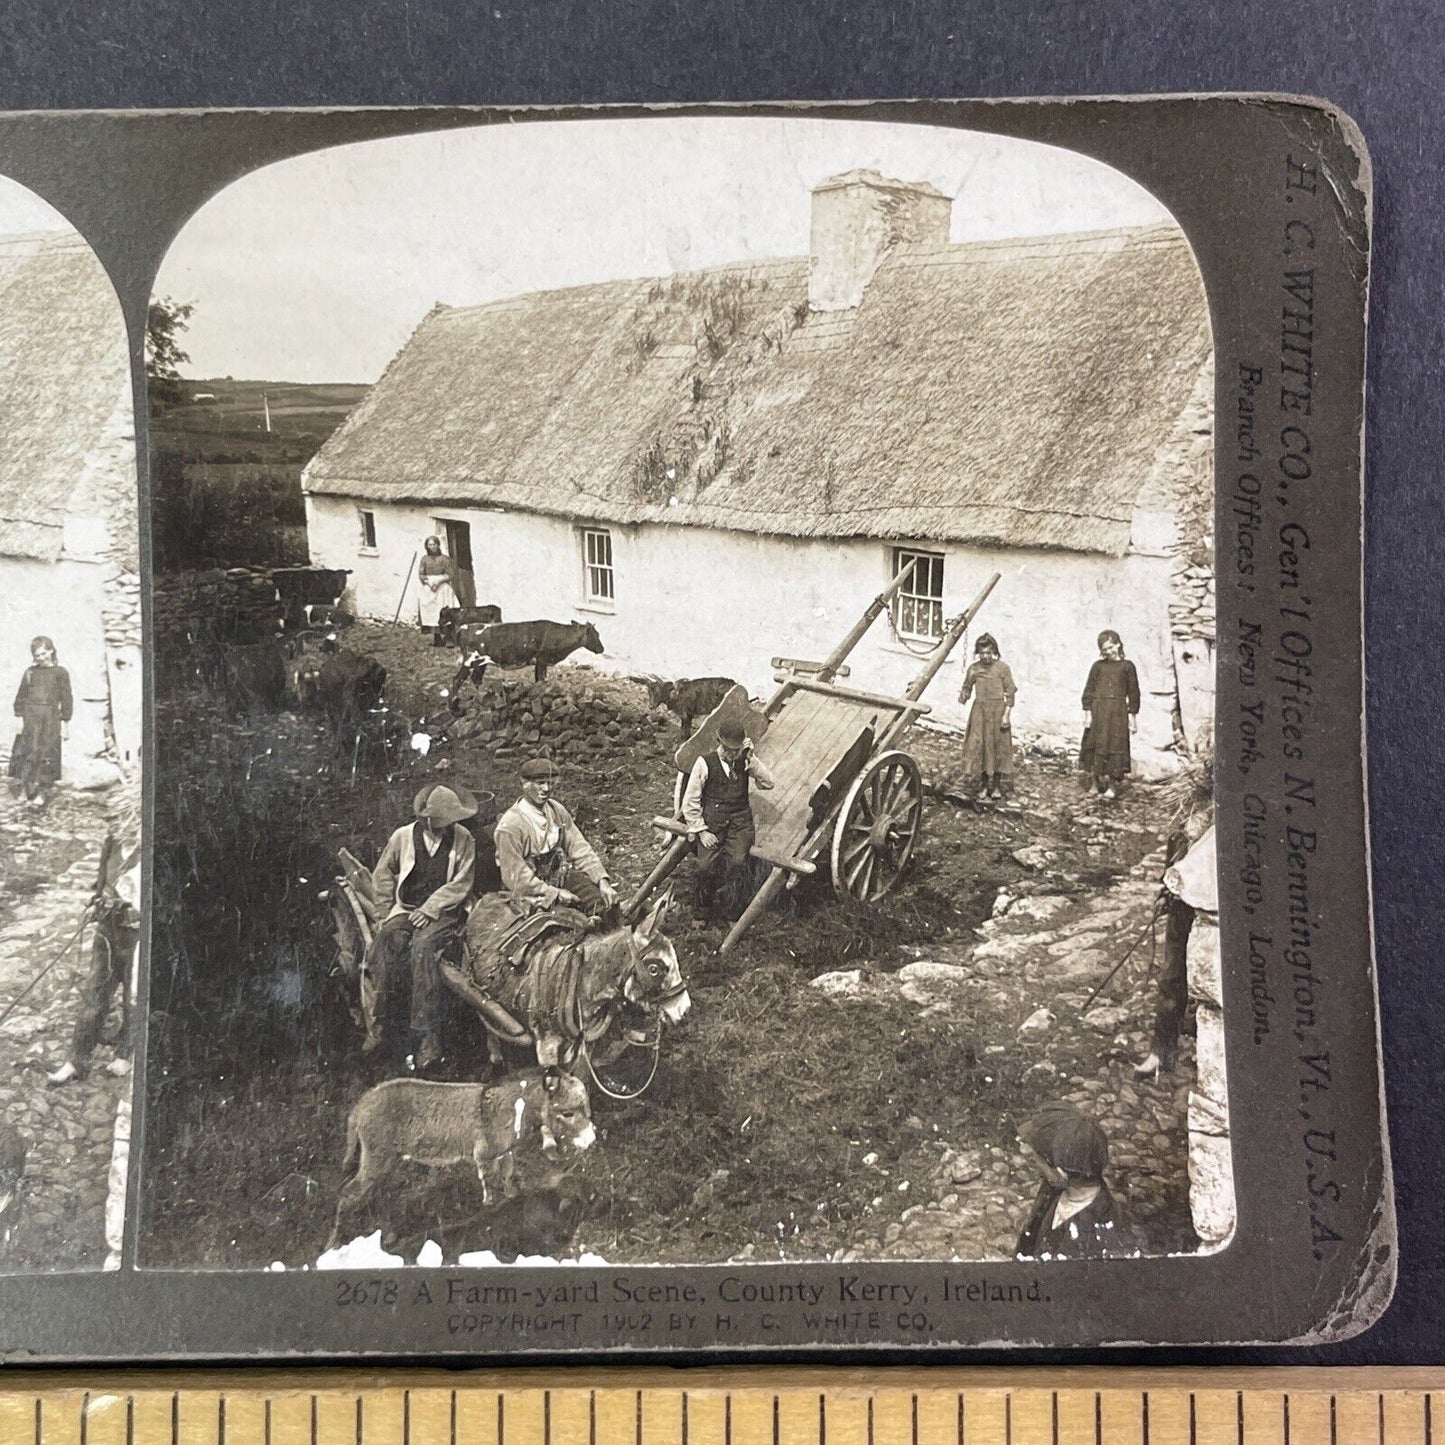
column 1211, row 1170
column 121, row 619
column 238, row 604
column 568, row 716
column 1192, row 600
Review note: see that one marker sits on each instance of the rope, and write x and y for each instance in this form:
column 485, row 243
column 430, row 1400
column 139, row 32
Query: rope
column 1108, row 978
column 63, row 950
column 642, row 1088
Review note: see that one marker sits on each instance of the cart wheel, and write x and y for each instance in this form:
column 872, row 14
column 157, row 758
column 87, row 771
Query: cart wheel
column 877, row 826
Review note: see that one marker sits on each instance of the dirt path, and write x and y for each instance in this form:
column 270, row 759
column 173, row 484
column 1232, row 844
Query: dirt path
column 51, row 859
column 962, row 1198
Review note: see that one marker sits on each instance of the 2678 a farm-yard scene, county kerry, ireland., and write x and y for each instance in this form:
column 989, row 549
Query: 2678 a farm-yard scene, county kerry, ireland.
column 684, row 660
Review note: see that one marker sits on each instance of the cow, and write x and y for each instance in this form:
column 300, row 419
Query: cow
column 515, row 644
column 689, row 697
column 437, row 1125
column 450, row 618
column 304, row 655
column 299, row 589
column 343, row 686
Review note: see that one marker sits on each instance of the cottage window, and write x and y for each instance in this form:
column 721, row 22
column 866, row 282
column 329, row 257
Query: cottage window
column 918, row 606
column 368, row 531
column 597, row 576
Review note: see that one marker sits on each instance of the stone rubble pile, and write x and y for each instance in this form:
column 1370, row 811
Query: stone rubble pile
column 506, row 714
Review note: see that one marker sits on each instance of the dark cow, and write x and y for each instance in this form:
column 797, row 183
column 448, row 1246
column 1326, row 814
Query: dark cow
column 305, row 652
column 689, row 697
column 450, row 618
column 311, row 640
column 515, row 644
column 420, row 705
column 345, row 687
column 300, row 588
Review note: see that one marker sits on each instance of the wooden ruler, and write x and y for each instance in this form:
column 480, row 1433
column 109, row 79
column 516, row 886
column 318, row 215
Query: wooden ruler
column 745, row 1406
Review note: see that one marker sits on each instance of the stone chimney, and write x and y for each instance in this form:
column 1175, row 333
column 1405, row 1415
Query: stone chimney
column 858, row 218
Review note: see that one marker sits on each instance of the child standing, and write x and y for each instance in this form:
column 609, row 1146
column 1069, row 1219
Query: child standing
column 1074, row 1216
column 988, row 761
column 1111, row 710
column 43, row 705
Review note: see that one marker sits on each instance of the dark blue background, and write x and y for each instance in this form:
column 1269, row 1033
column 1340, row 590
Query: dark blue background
column 1383, row 62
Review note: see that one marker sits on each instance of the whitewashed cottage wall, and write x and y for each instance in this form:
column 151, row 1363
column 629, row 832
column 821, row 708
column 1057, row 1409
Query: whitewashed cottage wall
column 695, row 601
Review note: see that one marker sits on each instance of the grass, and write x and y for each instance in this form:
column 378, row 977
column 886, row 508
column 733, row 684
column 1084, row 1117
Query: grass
column 778, row 1092
column 223, row 489
column 254, row 1061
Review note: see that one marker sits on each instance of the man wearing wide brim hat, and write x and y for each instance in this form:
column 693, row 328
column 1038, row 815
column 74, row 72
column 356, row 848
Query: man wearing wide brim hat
column 719, row 815
column 421, row 884
column 542, row 855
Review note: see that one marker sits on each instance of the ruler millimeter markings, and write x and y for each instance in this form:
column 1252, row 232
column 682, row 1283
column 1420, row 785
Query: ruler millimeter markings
column 741, row 1406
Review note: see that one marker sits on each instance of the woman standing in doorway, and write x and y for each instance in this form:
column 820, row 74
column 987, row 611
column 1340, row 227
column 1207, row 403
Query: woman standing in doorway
column 1111, row 708
column 438, row 577
column 43, row 706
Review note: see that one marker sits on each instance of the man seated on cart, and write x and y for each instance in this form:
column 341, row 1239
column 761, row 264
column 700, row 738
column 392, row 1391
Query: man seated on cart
column 543, row 857
column 421, row 884
column 719, row 815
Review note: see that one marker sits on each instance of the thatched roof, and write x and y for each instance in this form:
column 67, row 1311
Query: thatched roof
column 64, row 368
column 1011, row 393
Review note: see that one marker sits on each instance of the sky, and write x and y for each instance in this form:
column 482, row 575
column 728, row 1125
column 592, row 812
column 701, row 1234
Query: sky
column 22, row 211
column 319, row 268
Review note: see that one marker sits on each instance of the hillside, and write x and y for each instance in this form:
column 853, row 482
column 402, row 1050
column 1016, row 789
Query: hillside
column 226, row 476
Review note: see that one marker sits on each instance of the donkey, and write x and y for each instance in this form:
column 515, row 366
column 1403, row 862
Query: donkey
column 566, row 991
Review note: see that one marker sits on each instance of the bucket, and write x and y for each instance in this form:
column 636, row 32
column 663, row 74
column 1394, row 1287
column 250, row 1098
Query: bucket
column 487, row 810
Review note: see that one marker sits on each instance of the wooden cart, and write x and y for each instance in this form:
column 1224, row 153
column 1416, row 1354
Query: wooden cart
column 842, row 785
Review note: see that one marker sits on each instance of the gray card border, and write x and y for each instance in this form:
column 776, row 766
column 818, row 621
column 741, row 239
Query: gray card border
column 1306, row 1158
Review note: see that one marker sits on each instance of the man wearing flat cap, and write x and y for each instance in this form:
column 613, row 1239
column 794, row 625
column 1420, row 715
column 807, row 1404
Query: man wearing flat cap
column 421, row 884
column 719, row 815
column 543, row 858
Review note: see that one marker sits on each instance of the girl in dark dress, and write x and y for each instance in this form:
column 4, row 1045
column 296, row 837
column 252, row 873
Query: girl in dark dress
column 1074, row 1215
column 1111, row 708
column 43, row 705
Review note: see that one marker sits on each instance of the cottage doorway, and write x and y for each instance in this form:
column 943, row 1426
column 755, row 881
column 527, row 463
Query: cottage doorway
column 459, row 549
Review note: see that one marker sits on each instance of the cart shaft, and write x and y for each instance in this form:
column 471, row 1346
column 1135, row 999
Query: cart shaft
column 949, row 641
column 762, row 901
column 839, row 654
column 665, row 866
